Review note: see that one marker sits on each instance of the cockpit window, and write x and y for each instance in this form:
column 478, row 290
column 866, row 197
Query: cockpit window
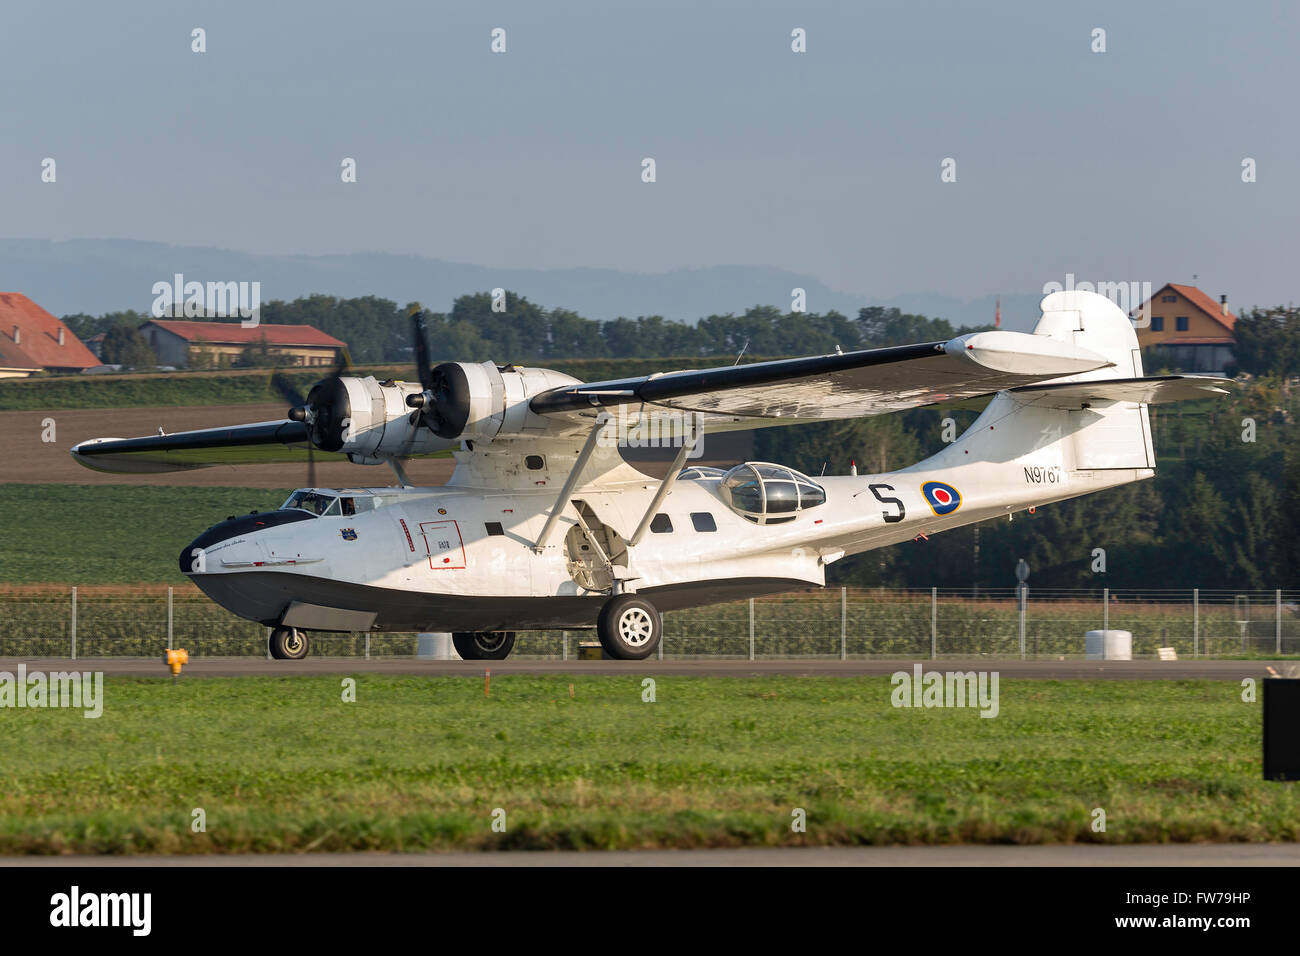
column 324, row 504
column 313, row 501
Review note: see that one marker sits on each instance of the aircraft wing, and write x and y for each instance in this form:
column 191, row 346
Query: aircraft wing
column 258, row 443
column 843, row 385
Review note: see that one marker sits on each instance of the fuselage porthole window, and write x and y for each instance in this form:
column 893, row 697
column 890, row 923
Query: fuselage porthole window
column 703, row 521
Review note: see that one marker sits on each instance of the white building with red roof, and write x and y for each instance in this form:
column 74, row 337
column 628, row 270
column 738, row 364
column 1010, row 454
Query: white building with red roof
column 217, row 344
column 32, row 340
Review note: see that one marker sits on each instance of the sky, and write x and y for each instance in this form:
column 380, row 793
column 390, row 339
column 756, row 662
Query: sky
column 1123, row 165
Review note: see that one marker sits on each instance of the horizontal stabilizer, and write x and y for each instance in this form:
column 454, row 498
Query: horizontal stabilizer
column 1153, row 390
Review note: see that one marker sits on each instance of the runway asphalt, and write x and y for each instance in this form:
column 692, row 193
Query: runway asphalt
column 315, row 666
column 1179, row 855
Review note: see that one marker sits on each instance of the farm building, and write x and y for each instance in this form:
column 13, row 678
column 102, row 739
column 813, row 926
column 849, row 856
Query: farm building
column 32, row 340
column 215, row 344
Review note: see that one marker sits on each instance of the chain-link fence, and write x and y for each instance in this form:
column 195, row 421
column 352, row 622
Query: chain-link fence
column 820, row 623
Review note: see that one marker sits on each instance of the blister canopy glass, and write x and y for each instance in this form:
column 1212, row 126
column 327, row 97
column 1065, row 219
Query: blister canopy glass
column 765, row 493
column 695, row 472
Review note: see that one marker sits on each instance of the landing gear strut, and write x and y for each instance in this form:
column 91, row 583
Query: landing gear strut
column 288, row 644
column 483, row 645
column 629, row 627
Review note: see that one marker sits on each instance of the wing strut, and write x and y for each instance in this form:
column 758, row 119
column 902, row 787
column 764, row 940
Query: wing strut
column 571, row 482
column 399, row 471
column 665, row 486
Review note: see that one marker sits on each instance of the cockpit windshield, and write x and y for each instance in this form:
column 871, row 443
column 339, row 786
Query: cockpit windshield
column 313, row 501
column 330, row 503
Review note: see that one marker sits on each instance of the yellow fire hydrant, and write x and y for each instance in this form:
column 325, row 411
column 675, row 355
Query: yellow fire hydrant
column 176, row 660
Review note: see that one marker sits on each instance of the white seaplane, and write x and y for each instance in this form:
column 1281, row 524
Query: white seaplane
column 545, row 525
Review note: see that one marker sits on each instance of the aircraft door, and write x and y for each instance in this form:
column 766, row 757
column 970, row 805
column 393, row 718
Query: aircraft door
column 592, row 549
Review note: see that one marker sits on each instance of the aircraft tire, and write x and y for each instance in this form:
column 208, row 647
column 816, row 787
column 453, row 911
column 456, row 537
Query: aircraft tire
column 483, row 645
column 629, row 627
column 289, row 644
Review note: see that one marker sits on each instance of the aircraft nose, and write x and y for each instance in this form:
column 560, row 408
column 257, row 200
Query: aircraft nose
column 194, row 556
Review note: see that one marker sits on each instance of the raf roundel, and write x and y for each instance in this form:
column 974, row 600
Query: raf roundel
column 942, row 498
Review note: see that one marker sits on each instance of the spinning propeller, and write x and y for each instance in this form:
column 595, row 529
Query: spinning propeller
column 444, row 403
column 323, row 410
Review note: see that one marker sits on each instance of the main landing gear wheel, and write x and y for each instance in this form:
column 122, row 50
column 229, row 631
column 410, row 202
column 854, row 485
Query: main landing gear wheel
column 288, row 644
column 629, row 627
column 484, row 645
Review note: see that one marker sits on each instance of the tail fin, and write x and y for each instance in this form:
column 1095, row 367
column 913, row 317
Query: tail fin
column 1110, row 433
column 1090, row 428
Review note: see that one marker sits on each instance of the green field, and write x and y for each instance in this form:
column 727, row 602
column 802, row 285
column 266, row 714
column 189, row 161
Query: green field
column 111, row 534
column 421, row 763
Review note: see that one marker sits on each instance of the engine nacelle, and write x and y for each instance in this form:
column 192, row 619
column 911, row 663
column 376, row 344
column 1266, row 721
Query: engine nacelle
column 482, row 401
column 370, row 420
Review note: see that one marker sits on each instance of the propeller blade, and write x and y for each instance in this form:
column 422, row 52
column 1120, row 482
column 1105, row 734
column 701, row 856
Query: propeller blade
column 423, row 363
column 344, row 364
column 283, row 386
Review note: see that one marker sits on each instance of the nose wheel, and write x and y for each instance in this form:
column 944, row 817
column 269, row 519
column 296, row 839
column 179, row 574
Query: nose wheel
column 629, row 627
column 288, row 644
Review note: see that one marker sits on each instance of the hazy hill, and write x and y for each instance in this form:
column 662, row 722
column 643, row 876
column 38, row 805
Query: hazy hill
column 102, row 275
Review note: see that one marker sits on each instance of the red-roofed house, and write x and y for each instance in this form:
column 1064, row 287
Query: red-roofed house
column 32, row 340
column 1188, row 329
column 222, row 343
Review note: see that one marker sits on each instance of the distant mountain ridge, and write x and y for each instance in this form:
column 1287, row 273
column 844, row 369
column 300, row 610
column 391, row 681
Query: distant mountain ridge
column 104, row 275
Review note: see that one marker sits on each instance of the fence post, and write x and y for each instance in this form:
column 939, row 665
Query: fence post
column 564, row 644
column 751, row 629
column 1196, row 622
column 1024, row 608
column 170, row 642
column 72, row 628
column 934, row 624
column 367, row 645
column 1105, row 609
column 1278, row 598
column 844, row 624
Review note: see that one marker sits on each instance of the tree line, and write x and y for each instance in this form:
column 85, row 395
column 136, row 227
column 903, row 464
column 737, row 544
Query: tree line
column 378, row 331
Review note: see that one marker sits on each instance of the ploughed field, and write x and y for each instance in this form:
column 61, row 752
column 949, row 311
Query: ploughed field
column 417, row 763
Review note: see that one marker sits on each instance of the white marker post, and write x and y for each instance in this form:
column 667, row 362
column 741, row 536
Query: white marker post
column 934, row 624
